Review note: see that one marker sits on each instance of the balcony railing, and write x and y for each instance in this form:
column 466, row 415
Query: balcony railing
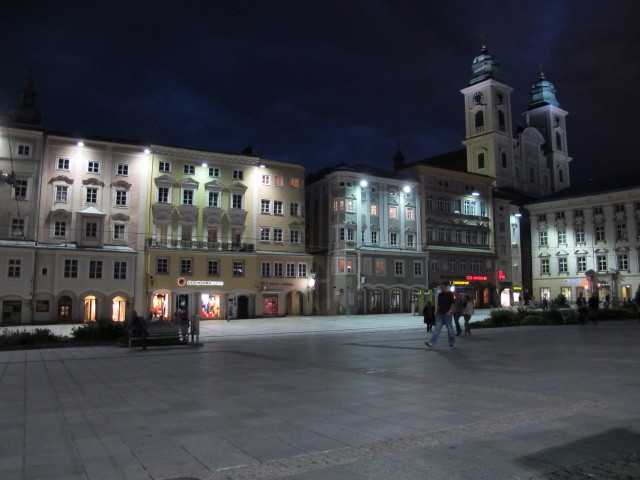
column 176, row 244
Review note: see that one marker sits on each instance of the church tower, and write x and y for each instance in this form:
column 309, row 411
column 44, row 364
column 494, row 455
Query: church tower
column 489, row 131
column 545, row 115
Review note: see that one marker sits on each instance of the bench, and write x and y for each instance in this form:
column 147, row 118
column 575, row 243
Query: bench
column 164, row 329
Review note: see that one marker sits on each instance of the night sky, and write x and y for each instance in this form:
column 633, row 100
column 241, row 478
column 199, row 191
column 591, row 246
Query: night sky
column 322, row 82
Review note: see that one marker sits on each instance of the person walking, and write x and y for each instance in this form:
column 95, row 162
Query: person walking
column 636, row 300
column 583, row 311
column 138, row 328
column 593, row 305
column 429, row 313
column 456, row 310
column 444, row 303
column 467, row 313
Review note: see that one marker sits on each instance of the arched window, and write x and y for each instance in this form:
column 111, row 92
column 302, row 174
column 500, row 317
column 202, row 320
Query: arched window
column 561, row 176
column 504, row 160
column 501, row 121
column 64, row 309
column 479, row 117
column 89, row 309
column 558, row 141
column 118, row 309
column 481, row 160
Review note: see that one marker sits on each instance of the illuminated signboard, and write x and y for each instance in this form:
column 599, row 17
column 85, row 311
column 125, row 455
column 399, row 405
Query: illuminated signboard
column 482, row 278
column 460, row 282
column 206, row 283
column 501, row 275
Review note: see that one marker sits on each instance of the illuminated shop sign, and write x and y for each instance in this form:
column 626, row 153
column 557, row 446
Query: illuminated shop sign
column 200, row 283
column 460, row 282
column 501, row 275
column 482, row 278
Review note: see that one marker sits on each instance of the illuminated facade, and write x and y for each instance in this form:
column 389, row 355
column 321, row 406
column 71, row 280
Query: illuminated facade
column 366, row 237
column 226, row 236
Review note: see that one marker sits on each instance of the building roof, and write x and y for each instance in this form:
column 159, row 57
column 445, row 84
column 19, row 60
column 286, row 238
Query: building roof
column 618, row 182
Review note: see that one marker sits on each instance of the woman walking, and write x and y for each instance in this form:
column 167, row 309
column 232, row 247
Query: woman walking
column 467, row 313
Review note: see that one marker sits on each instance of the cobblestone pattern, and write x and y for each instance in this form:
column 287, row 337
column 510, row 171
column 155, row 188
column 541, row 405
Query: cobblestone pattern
column 334, row 458
column 624, row 466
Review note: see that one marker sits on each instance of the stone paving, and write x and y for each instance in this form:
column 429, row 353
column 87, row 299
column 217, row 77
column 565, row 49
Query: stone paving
column 347, row 400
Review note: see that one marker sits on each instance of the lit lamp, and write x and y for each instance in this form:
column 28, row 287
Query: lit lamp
column 311, row 285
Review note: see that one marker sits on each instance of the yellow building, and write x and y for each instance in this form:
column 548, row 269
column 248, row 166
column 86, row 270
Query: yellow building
column 226, row 236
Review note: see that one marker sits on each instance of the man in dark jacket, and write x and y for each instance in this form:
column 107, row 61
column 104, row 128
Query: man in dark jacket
column 443, row 317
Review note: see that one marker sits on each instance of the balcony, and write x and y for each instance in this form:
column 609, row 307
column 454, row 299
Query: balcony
column 176, row 244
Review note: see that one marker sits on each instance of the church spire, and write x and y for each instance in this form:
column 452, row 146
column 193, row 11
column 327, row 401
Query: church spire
column 484, row 66
column 25, row 112
column 542, row 93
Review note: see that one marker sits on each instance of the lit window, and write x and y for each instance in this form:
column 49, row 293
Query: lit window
column 374, row 209
column 295, row 183
column 266, row 179
column 238, row 268
column 393, row 212
column 278, row 181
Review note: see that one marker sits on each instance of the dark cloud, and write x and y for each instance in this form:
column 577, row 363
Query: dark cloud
column 320, row 82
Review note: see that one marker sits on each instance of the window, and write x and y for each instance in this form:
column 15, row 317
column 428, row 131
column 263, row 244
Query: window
column 374, row 236
column 213, row 268
column 163, row 194
column 238, row 268
column 214, row 172
column 265, row 234
column 24, row 149
column 544, row 241
column 503, row 157
column 164, row 166
column 563, row 265
column 62, row 163
column 350, row 234
column 162, row 266
column 381, row 266
column 619, row 207
column 294, row 209
column 121, row 198
column 399, row 268
column 59, row 228
column 122, row 169
column 338, row 205
column 212, row 234
column 119, row 270
column 302, row 270
column 291, row 269
column 435, row 266
column 295, row 183
column 374, row 210
column 417, row 268
column 470, row 207
column 186, row 266
column 410, row 240
column 91, row 229
column 265, row 269
column 544, row 266
column 15, row 265
column 266, row 179
column 480, row 155
column 578, row 213
column 277, row 235
column 70, row 269
column 236, row 200
column 579, row 235
column 187, row 196
column 61, row 193
column 562, row 236
column 582, row 264
column 214, row 199
column 542, row 218
column 91, row 195
column 599, row 233
column 265, row 206
column 393, row 239
column 278, row 181
column 277, row 269
column 393, row 212
column 20, row 189
column 410, row 213
column 559, row 215
column 237, row 175
column 95, row 269
column 189, row 169
column 295, row 236
column 278, row 207
column 601, row 261
column 93, row 167
column 452, row 264
column 621, row 231
column 119, row 230
column 17, row 227
column 597, row 211
column 623, row 262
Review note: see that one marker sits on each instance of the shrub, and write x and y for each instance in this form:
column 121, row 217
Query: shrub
column 615, row 313
column 100, row 331
column 535, row 320
column 23, row 337
column 500, row 317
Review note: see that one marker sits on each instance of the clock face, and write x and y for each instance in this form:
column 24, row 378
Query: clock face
column 556, row 119
column 500, row 98
column 477, row 98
